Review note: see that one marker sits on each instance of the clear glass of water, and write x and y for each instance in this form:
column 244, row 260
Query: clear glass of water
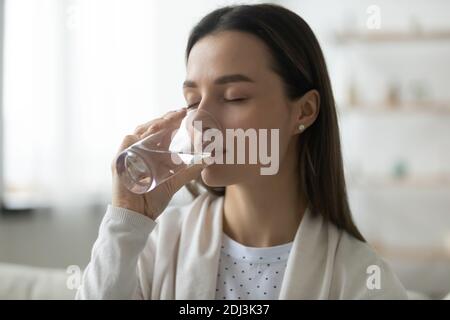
column 161, row 155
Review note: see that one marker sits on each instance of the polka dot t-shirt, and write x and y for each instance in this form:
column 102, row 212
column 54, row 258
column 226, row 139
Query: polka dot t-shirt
column 249, row 272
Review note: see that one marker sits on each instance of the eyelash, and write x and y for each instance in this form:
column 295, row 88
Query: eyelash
column 235, row 100
column 192, row 105
column 227, row 101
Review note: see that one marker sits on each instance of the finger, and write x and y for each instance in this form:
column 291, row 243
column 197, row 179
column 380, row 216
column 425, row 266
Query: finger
column 127, row 141
column 168, row 121
column 177, row 114
column 140, row 129
column 174, row 114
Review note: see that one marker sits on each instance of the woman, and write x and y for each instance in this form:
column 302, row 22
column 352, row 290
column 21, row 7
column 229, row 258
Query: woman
column 288, row 235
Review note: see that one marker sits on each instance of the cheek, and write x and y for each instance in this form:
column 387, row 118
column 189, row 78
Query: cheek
column 259, row 114
column 270, row 115
column 238, row 117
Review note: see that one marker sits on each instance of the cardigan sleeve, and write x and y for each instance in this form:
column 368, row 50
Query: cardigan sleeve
column 113, row 271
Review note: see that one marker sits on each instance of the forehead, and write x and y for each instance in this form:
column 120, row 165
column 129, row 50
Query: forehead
column 228, row 52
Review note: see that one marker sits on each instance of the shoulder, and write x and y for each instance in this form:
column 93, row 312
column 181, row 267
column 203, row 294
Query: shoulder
column 360, row 273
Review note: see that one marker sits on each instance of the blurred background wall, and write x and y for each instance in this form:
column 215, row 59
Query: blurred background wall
column 80, row 74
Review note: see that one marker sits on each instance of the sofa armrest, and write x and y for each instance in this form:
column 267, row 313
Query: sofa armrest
column 26, row 282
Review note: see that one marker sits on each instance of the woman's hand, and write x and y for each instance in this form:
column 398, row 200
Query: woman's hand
column 152, row 203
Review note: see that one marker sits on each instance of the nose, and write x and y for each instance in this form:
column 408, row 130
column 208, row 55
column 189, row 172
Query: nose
column 206, row 119
column 199, row 122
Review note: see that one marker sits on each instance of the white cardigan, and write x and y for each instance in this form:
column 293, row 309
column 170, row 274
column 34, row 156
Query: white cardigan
column 177, row 256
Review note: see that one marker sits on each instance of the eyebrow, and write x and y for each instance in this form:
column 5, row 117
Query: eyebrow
column 221, row 80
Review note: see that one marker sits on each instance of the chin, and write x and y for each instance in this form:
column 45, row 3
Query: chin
column 214, row 176
column 217, row 175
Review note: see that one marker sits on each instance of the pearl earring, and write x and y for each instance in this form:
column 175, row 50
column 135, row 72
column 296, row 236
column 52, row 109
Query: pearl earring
column 301, row 127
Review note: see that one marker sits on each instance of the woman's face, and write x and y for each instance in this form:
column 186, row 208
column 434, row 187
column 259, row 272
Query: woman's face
column 229, row 75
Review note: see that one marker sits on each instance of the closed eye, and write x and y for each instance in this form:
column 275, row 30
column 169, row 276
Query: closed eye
column 193, row 105
column 235, row 100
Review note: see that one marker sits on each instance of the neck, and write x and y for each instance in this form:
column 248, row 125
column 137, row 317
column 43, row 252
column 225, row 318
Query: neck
column 266, row 212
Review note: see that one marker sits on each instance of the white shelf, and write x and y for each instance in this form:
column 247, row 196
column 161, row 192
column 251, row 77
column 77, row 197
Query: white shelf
column 384, row 183
column 396, row 37
column 412, row 253
column 411, row 108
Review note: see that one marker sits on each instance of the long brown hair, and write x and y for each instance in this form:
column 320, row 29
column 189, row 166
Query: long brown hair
column 299, row 61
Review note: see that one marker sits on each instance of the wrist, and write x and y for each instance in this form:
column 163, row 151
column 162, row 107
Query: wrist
column 129, row 206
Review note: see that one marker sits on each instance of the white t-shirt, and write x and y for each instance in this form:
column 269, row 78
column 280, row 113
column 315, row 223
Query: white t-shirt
column 250, row 273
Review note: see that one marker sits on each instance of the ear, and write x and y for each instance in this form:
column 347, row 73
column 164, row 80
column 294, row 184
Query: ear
column 305, row 111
